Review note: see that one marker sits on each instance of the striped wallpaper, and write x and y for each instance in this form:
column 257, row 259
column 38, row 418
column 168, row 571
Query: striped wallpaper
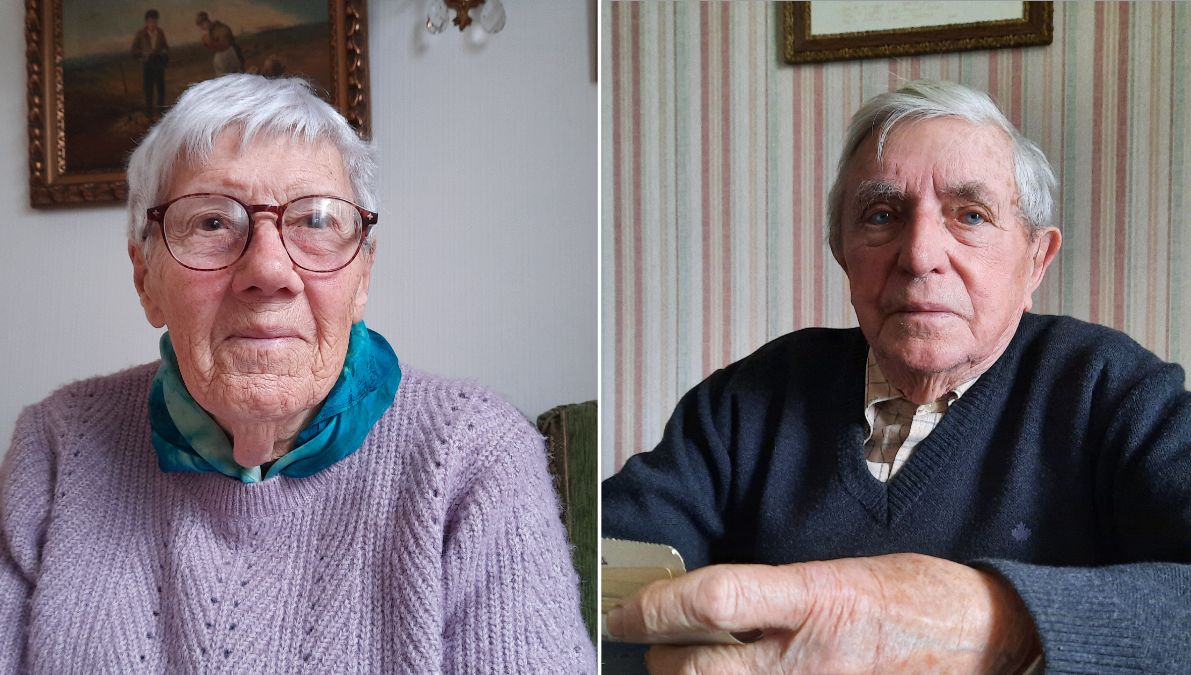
column 717, row 159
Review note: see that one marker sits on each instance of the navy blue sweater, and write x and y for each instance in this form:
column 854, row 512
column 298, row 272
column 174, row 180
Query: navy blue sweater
column 1066, row 468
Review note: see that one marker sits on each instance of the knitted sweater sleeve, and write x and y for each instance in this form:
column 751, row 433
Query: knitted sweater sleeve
column 1132, row 614
column 677, row 494
column 25, row 495
column 511, row 592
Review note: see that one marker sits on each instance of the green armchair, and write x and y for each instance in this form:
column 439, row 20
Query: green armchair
column 570, row 432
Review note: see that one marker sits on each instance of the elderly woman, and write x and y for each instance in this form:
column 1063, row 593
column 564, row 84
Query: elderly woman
column 277, row 494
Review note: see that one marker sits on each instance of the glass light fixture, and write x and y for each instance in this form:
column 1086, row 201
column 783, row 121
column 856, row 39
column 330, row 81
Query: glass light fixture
column 436, row 18
column 492, row 16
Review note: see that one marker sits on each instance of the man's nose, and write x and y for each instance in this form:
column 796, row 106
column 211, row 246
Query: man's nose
column 266, row 267
column 925, row 242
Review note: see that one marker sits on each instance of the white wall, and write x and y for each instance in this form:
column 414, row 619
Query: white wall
column 487, row 260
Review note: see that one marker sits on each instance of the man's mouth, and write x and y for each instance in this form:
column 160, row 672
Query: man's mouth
column 924, row 308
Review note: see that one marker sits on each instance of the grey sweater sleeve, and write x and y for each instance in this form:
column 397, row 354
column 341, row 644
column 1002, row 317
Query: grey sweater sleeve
column 1116, row 619
column 1133, row 613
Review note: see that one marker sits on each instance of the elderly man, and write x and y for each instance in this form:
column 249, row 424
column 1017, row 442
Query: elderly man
column 958, row 485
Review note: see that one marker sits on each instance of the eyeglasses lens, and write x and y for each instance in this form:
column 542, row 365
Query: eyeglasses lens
column 322, row 233
column 206, row 232
column 209, row 232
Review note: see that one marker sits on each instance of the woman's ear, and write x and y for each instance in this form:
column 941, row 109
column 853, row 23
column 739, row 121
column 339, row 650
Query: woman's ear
column 140, row 279
column 361, row 298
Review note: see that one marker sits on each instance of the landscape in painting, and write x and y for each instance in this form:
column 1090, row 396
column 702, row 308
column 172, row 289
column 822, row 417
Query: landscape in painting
column 117, row 79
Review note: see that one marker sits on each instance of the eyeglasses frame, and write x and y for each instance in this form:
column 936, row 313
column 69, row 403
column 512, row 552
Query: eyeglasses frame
column 156, row 214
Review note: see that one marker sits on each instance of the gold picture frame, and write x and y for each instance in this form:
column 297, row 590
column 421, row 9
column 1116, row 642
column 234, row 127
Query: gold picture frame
column 102, row 90
column 802, row 43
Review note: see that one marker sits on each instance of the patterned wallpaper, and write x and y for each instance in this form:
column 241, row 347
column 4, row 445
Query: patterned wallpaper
column 717, row 159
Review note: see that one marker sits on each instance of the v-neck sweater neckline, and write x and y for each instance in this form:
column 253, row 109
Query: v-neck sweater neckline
column 969, row 416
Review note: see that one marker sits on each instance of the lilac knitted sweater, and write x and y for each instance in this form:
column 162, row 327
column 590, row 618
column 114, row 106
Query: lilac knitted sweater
column 436, row 547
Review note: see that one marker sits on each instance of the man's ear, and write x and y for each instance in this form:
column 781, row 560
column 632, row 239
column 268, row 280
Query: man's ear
column 140, row 270
column 1043, row 247
column 361, row 299
column 833, row 242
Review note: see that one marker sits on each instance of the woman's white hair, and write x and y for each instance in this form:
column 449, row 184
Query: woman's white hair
column 927, row 99
column 254, row 106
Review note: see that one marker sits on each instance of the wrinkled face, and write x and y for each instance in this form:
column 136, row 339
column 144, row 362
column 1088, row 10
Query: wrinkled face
column 940, row 264
column 262, row 339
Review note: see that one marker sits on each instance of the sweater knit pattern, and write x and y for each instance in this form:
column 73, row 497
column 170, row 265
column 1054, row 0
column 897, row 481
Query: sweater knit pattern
column 437, row 547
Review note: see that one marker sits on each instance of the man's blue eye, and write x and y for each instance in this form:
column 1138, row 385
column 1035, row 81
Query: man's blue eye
column 880, row 218
column 972, row 218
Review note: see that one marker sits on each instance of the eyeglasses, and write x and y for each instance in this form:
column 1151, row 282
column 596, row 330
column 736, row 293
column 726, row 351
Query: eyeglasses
column 209, row 231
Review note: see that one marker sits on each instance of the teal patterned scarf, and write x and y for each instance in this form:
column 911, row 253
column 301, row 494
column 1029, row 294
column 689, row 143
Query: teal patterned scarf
column 188, row 439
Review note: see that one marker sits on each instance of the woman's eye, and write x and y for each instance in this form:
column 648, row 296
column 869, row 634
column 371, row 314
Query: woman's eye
column 314, row 220
column 972, row 218
column 212, row 223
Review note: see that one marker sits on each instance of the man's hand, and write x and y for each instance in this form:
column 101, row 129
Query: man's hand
column 895, row 613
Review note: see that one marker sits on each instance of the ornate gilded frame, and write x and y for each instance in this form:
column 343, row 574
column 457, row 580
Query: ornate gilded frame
column 799, row 45
column 52, row 183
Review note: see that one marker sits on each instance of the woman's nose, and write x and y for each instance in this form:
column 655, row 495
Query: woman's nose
column 266, row 268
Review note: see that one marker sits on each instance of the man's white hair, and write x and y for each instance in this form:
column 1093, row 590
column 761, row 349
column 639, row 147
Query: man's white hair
column 255, row 107
column 929, row 99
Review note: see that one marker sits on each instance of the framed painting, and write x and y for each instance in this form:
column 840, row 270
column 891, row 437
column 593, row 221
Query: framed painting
column 99, row 74
column 836, row 31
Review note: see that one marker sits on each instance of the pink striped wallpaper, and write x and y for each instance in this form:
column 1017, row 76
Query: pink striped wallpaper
column 717, row 159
